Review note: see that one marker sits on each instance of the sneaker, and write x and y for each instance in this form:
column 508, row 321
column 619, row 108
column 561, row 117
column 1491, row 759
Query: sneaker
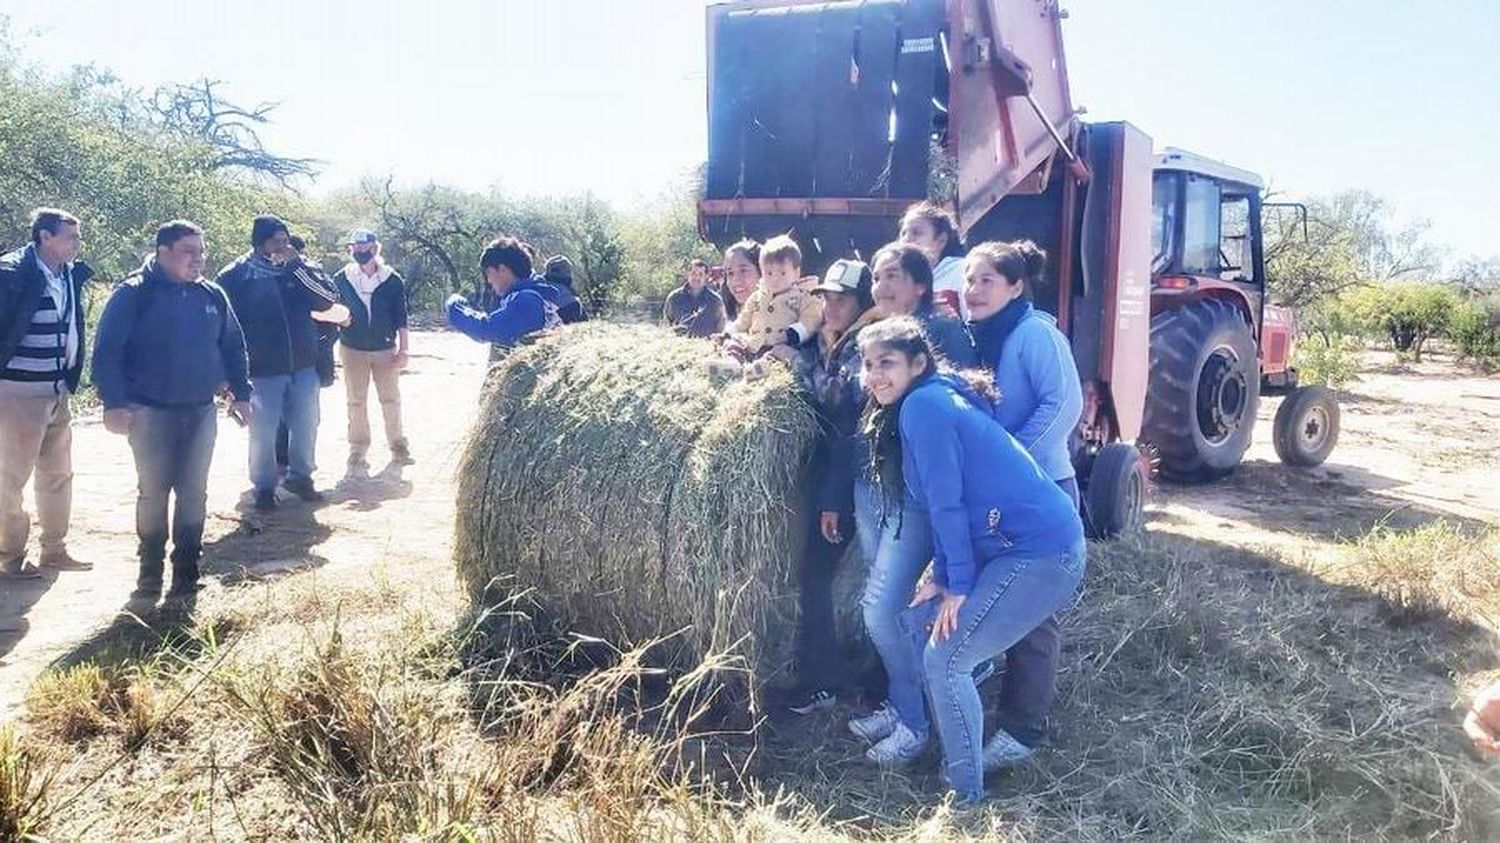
column 146, row 590
column 303, row 488
column 878, row 726
column 401, row 454
column 265, row 501
column 1003, row 750
column 62, row 561
column 901, row 747
column 807, row 702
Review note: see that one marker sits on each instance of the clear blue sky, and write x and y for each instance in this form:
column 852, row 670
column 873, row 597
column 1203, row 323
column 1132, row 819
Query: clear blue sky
column 539, row 96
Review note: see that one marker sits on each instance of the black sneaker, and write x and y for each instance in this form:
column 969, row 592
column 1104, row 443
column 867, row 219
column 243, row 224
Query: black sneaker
column 401, row 454
column 303, row 488
column 265, row 501
column 808, row 702
column 146, row 590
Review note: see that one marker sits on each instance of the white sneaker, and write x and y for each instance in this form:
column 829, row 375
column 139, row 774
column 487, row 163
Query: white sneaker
column 876, row 727
column 898, row 749
column 1003, row 750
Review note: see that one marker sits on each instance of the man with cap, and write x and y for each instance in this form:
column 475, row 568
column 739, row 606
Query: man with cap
column 274, row 293
column 373, row 346
column 558, row 274
column 828, row 364
column 694, row 309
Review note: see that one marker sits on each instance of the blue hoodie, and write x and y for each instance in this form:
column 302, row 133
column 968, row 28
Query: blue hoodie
column 165, row 344
column 524, row 309
column 1041, row 398
column 984, row 495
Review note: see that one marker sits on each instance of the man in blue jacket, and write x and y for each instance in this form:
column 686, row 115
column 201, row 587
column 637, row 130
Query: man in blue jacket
column 523, row 308
column 168, row 341
column 41, row 358
column 273, row 294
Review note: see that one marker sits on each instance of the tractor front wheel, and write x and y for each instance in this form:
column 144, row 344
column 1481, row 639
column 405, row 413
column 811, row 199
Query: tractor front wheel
column 1204, row 391
column 1307, row 426
column 1115, row 497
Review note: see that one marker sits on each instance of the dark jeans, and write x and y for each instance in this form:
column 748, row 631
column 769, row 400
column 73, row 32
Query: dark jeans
column 173, row 448
column 817, row 641
column 1029, row 686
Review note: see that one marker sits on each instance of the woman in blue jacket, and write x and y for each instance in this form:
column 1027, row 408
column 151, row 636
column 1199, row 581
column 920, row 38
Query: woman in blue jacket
column 892, row 533
column 1040, row 402
column 1008, row 549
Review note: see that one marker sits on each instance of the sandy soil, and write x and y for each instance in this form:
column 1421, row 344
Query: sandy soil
column 1418, row 443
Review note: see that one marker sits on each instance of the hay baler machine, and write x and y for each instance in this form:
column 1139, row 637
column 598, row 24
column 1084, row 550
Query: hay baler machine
column 828, row 119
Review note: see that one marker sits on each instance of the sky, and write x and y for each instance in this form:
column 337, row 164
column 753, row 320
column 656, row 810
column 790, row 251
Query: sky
column 563, row 96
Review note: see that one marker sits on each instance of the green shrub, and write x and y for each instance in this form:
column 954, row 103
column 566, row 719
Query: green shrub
column 1475, row 334
column 1407, row 314
column 1328, row 360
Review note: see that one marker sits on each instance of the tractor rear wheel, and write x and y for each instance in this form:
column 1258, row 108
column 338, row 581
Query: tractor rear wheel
column 1114, row 500
column 1204, row 390
column 1307, row 426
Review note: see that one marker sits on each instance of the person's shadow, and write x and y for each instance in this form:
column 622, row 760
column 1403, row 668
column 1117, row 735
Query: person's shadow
column 17, row 598
column 362, row 491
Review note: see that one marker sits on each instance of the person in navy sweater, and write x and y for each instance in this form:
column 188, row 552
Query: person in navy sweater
column 168, row 342
column 1008, row 547
column 1041, row 401
column 523, row 309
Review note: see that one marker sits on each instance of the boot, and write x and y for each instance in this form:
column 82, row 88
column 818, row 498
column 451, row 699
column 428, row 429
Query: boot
column 148, row 582
column 401, row 453
column 184, row 578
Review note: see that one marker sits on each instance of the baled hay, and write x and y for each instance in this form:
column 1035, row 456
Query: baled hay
column 636, row 494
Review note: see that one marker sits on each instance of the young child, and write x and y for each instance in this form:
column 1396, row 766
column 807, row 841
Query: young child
column 779, row 316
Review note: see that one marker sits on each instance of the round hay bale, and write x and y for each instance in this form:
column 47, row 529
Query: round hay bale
column 637, row 495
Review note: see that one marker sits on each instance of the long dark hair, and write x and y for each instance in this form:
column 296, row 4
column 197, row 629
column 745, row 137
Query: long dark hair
column 881, row 424
column 942, row 222
column 1020, row 261
column 750, row 251
column 913, row 263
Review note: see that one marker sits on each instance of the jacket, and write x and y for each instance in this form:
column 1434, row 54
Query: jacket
column 523, row 310
column 562, row 297
column 165, row 344
column 700, row 315
column 984, row 495
column 1041, row 398
column 272, row 304
column 768, row 319
column 21, row 287
column 949, row 339
column 373, row 328
column 832, row 378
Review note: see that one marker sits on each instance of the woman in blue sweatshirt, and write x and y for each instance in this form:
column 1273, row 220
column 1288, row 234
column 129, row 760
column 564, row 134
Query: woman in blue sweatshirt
column 1040, row 402
column 1008, row 549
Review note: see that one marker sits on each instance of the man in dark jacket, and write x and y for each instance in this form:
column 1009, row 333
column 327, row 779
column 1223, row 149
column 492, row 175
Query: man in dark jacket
column 558, row 274
column 273, row 293
column 168, row 340
column 373, row 346
column 694, row 309
column 41, row 358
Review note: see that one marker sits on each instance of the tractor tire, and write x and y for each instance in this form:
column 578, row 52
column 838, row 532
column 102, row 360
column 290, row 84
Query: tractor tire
column 1114, row 500
column 1204, row 390
column 1307, row 426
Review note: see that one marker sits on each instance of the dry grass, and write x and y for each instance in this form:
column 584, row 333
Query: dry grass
column 25, row 789
column 638, row 497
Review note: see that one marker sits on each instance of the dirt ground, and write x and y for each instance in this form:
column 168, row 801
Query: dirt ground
column 1418, row 443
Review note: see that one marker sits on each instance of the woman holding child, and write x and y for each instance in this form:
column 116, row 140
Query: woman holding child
column 1007, row 546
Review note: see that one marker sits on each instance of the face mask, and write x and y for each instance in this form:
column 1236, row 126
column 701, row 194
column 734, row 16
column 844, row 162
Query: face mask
column 363, row 258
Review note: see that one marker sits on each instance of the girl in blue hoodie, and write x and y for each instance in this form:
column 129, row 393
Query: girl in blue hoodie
column 1008, row 549
column 1040, row 402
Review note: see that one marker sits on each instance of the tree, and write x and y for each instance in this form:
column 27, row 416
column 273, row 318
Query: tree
column 1408, row 314
column 601, row 254
column 198, row 112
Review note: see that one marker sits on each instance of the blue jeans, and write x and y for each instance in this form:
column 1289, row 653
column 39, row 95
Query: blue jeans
column 1011, row 597
column 292, row 399
column 1030, row 683
column 895, row 554
column 173, row 448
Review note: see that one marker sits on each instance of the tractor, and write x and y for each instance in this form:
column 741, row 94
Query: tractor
column 826, row 120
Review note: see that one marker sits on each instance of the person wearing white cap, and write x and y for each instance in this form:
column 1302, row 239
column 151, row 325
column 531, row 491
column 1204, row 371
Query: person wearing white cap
column 373, row 346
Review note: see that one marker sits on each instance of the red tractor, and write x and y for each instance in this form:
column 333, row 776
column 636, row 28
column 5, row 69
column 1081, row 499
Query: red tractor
column 828, row 119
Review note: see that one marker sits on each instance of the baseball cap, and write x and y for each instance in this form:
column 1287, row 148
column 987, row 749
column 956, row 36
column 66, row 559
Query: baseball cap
column 844, row 276
column 361, row 237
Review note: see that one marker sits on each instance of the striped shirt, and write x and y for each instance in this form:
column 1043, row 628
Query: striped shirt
column 50, row 346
